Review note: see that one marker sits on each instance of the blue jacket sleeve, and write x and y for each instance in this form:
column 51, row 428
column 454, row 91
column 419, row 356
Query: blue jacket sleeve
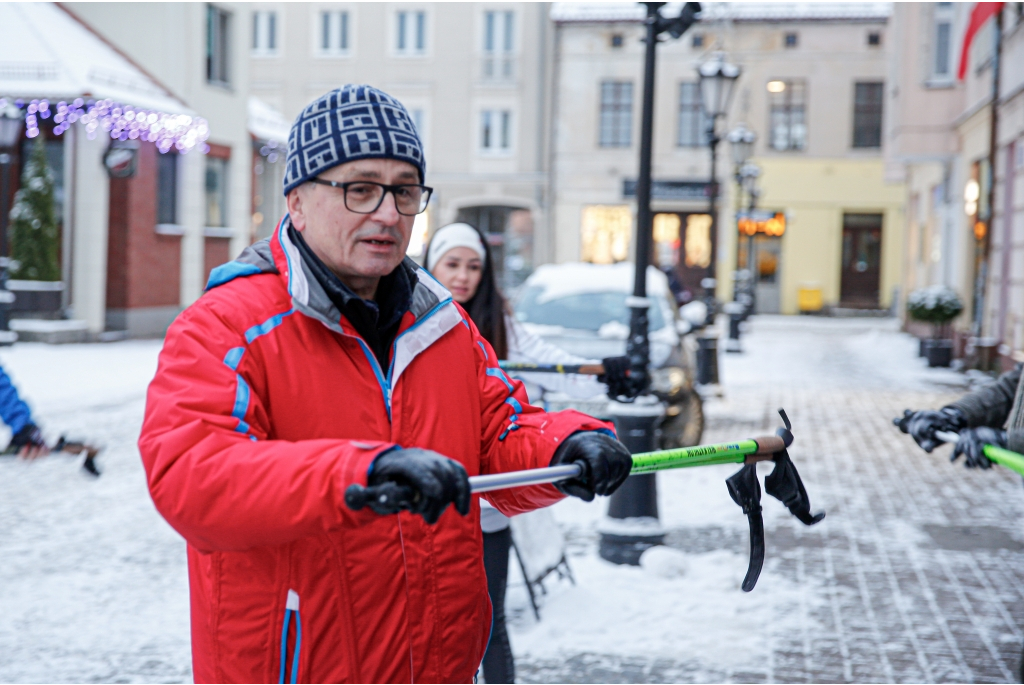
column 13, row 410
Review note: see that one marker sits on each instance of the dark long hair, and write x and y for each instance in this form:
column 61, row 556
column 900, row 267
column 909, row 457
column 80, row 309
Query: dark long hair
column 487, row 307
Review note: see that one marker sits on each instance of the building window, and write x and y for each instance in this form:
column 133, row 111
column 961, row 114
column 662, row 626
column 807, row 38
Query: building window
column 264, row 33
column 218, row 45
column 867, row 114
column 604, row 233
column 498, row 47
column 334, row 36
column 791, row 40
column 417, row 120
column 616, row 40
column 616, row 126
column 216, row 192
column 167, row 188
column 942, row 50
column 496, row 131
column 874, row 39
column 693, row 123
column 788, row 114
column 697, row 41
column 411, row 32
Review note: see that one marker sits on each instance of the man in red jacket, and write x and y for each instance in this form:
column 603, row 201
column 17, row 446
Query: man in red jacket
column 320, row 358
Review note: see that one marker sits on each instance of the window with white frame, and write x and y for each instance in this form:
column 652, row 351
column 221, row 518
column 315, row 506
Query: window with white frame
column 616, row 125
column 787, row 111
column 498, row 45
column 411, row 32
column 416, row 114
column 218, row 45
column 167, row 188
column 693, row 122
column 942, row 42
column 333, row 33
column 216, row 192
column 264, row 33
column 496, row 131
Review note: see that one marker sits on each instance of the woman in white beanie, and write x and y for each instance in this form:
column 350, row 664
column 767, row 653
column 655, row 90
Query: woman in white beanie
column 459, row 257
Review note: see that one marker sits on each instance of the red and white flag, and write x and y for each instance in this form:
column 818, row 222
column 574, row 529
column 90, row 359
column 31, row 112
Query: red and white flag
column 982, row 12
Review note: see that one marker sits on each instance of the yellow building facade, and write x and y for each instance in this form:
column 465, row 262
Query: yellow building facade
column 815, row 195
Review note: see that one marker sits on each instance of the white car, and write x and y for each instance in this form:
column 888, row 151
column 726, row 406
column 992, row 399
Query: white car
column 582, row 309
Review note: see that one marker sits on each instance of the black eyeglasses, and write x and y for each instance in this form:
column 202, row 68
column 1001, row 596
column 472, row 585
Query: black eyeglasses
column 364, row 197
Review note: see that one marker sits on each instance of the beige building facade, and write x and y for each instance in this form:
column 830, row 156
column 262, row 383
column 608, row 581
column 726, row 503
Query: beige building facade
column 475, row 78
column 811, row 85
column 197, row 52
column 939, row 134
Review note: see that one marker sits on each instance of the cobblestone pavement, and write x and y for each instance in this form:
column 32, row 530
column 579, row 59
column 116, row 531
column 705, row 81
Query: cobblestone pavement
column 919, row 564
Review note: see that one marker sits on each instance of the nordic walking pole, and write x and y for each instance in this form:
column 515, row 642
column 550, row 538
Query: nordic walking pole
column 1003, row 457
column 784, row 483
column 742, row 452
column 585, row 369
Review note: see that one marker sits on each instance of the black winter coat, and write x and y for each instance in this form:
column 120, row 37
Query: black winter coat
column 997, row 405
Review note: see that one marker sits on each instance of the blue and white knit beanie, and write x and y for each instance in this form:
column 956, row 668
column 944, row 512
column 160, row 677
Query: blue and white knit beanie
column 346, row 124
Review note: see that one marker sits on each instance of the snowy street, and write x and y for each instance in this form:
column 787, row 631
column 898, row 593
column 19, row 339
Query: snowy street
column 916, row 574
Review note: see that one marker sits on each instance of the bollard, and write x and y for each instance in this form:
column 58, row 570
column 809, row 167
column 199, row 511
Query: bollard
column 735, row 310
column 707, row 359
column 632, row 524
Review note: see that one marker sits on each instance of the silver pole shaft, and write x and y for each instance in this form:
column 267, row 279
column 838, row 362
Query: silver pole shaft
column 515, row 479
column 945, row 436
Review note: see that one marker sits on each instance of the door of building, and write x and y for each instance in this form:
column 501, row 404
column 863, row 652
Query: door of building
column 862, row 261
column 767, row 266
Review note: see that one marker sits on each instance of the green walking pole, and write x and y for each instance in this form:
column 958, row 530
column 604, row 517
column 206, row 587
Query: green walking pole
column 1003, row 457
column 783, row 483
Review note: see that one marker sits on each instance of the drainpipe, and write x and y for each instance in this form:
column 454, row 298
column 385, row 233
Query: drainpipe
column 993, row 149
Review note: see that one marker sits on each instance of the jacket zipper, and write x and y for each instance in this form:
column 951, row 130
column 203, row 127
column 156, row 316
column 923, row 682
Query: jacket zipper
column 291, row 608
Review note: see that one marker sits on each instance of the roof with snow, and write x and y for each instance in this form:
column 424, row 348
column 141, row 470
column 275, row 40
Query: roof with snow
column 574, row 12
column 47, row 53
column 266, row 123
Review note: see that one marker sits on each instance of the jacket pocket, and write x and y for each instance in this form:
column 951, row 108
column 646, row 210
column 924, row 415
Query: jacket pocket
column 291, row 618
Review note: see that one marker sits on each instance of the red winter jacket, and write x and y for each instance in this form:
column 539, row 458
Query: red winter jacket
column 265, row 407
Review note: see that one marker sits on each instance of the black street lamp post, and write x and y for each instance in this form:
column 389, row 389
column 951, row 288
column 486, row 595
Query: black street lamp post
column 717, row 78
column 10, row 133
column 741, row 141
column 632, row 525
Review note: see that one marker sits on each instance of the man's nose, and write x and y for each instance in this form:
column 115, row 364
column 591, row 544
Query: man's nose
column 387, row 212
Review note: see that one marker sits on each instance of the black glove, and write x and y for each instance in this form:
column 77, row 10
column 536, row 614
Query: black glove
column 972, row 445
column 606, row 463
column 616, row 377
column 437, row 481
column 922, row 425
column 28, row 435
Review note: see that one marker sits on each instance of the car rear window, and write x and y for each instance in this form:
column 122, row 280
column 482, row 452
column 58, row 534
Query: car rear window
column 584, row 311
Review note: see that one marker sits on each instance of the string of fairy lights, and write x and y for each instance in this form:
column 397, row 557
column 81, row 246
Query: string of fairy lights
column 179, row 132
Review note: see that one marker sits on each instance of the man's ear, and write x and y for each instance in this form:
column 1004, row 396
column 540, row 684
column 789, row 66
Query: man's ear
column 296, row 201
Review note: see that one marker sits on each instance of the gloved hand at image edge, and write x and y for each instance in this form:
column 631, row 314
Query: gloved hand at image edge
column 972, row 445
column 616, row 377
column 28, row 442
column 436, row 480
column 921, row 425
column 606, row 464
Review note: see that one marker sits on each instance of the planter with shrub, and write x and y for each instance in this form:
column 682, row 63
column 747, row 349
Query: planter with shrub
column 937, row 305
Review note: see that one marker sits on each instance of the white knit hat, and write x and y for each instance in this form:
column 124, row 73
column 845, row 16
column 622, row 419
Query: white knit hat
column 451, row 236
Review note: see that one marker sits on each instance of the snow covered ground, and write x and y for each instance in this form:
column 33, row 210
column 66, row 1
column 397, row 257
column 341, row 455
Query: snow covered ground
column 93, row 582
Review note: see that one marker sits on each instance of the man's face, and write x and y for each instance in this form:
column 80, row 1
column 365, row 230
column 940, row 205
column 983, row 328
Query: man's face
column 354, row 246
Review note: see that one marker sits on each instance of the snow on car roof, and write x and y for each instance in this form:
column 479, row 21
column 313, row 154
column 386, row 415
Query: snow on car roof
column 574, row 278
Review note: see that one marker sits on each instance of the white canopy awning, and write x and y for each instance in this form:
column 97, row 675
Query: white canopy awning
column 266, row 123
column 47, row 53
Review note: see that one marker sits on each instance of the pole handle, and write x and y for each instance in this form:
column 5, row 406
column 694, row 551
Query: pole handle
column 948, row 436
column 769, row 444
